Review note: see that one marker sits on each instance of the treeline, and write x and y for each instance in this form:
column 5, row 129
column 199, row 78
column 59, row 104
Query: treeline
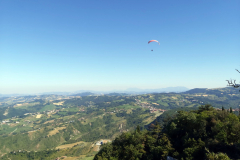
column 12, row 112
column 86, row 99
column 113, row 104
column 134, row 118
column 225, row 97
column 168, row 115
column 19, row 112
column 100, row 101
column 38, row 140
column 205, row 133
column 102, row 128
column 23, row 155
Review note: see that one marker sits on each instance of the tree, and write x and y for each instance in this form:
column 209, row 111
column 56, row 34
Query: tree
column 138, row 129
column 223, row 108
column 230, row 83
column 206, row 107
column 216, row 156
column 239, row 110
column 230, row 109
column 195, row 135
column 155, row 129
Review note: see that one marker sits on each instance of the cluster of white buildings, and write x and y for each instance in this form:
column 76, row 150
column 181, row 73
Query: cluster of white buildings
column 152, row 110
column 147, row 105
column 6, row 121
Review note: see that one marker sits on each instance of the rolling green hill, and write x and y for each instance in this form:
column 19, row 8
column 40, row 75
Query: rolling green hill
column 205, row 133
column 63, row 124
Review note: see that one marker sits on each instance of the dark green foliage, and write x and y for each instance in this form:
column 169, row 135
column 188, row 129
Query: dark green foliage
column 23, row 155
column 184, row 134
column 134, row 118
column 168, row 115
column 2, row 111
column 205, row 133
column 121, row 114
column 19, row 141
column 99, row 101
column 137, row 145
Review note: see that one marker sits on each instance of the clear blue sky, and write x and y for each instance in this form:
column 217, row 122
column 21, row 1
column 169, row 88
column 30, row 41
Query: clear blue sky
column 55, row 45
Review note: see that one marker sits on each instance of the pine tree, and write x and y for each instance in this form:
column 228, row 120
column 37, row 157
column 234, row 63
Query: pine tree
column 239, row 111
column 155, row 129
column 223, row 108
column 230, row 109
column 138, row 129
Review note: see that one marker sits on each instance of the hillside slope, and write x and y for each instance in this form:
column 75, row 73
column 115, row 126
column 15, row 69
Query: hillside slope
column 196, row 135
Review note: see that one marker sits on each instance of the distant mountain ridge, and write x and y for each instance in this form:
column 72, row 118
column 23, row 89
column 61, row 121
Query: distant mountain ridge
column 83, row 94
column 178, row 89
column 217, row 91
column 160, row 90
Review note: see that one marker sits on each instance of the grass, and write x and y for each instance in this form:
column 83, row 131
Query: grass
column 126, row 106
column 24, row 129
column 7, row 129
column 119, row 100
column 158, row 114
column 88, row 158
column 62, row 113
column 48, row 107
column 191, row 105
column 55, row 131
column 71, row 158
column 149, row 120
column 72, row 109
column 174, row 97
column 26, row 105
column 70, row 145
column 114, row 117
column 162, row 103
column 51, row 121
column 55, row 116
column 129, row 111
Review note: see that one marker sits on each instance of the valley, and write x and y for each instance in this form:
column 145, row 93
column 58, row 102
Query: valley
column 76, row 127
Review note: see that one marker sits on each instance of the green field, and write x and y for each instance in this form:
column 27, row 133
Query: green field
column 6, row 129
column 162, row 103
column 48, row 107
column 25, row 128
column 72, row 109
column 104, row 125
column 87, row 158
column 191, row 105
column 127, row 106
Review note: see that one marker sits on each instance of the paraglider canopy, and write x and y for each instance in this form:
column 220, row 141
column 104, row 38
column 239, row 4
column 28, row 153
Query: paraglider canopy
column 153, row 41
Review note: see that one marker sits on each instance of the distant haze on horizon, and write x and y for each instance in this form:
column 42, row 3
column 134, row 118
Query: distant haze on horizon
column 59, row 46
column 102, row 90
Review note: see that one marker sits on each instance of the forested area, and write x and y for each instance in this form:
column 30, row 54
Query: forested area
column 168, row 115
column 104, row 127
column 92, row 118
column 205, row 133
column 23, row 155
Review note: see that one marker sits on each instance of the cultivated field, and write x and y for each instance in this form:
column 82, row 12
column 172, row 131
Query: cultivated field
column 55, row 131
column 70, row 145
